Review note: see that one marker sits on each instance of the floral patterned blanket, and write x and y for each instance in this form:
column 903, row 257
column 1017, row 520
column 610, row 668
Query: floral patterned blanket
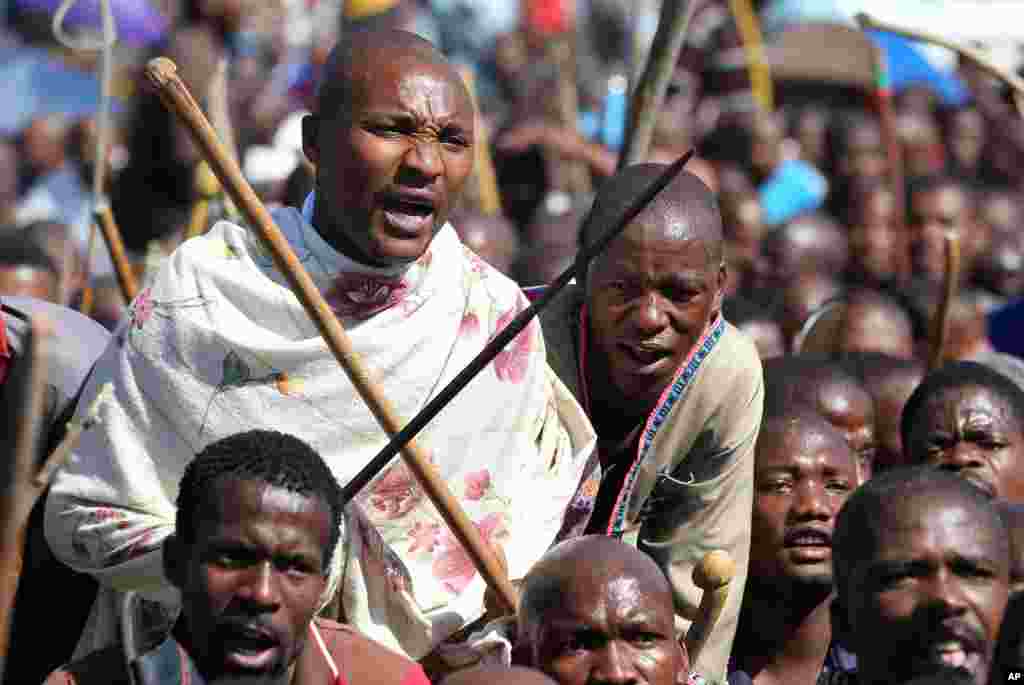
column 219, row 344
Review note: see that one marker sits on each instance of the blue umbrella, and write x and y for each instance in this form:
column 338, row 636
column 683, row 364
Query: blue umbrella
column 908, row 67
column 33, row 83
column 137, row 21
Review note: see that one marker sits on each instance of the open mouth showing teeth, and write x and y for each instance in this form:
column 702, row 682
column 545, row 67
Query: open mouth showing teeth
column 645, row 356
column 809, row 539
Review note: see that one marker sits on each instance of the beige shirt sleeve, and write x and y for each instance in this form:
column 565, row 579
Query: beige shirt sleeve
column 692, row 513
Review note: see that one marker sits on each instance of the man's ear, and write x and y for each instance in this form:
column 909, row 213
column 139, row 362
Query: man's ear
column 310, row 133
column 174, row 561
column 683, row 675
column 720, row 280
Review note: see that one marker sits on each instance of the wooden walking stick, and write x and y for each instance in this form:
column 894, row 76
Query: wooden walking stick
column 649, row 94
column 23, row 395
column 115, row 245
column 950, row 283
column 1015, row 82
column 162, row 73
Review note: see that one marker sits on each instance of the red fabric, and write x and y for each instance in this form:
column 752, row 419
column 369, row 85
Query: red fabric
column 414, row 676
column 5, row 349
column 547, row 17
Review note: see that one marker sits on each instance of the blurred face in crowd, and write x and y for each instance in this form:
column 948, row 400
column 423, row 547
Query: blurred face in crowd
column 934, row 212
column 1001, row 268
column 849, row 409
column 802, row 297
column 811, row 127
column 863, row 155
column 889, row 403
column 743, row 229
column 766, row 151
column 392, row 162
column 878, row 249
column 28, row 281
column 872, row 325
column 929, row 592
column 650, row 297
column 766, row 336
column 966, row 137
column 973, row 431
column 803, row 472
column 8, row 181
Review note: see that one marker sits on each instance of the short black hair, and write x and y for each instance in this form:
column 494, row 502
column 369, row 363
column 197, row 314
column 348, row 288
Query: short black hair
column 15, row 250
column 862, row 515
column 793, row 381
column 960, row 374
column 266, row 456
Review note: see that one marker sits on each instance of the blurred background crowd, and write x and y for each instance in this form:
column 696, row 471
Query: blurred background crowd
column 781, row 99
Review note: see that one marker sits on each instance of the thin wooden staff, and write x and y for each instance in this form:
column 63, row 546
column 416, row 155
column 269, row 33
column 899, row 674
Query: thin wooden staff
column 951, row 281
column 890, row 136
column 649, row 94
column 1015, row 82
column 24, row 393
column 162, row 73
column 115, row 245
column 753, row 45
column 485, row 178
column 507, row 334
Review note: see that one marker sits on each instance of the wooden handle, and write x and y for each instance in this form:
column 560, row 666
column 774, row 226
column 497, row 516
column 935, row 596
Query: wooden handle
column 866, row 21
column 951, row 281
column 649, row 95
column 162, row 73
column 115, row 245
column 23, row 398
column 713, row 575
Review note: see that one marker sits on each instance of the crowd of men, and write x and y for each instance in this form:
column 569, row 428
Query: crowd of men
column 672, row 400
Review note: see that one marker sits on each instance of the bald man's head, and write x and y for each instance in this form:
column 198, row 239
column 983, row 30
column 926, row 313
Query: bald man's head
column 517, row 675
column 612, row 603
column 355, row 58
column 589, row 559
column 684, row 210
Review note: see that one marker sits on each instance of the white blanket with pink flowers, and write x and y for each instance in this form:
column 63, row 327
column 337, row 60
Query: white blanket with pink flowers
column 219, row 344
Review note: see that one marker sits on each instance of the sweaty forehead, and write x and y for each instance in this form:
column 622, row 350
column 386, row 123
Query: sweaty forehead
column 801, row 433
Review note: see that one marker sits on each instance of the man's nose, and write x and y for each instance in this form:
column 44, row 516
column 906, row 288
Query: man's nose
column 960, row 457
column 945, row 594
column 812, row 502
column 424, row 158
column 614, row 666
column 260, row 586
column 649, row 316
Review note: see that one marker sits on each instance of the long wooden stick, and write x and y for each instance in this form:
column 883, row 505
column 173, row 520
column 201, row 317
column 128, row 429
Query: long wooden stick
column 162, row 73
column 507, row 334
column 23, row 398
column 951, row 281
column 1015, row 82
column 115, row 245
column 753, row 45
column 485, row 179
column 649, row 94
